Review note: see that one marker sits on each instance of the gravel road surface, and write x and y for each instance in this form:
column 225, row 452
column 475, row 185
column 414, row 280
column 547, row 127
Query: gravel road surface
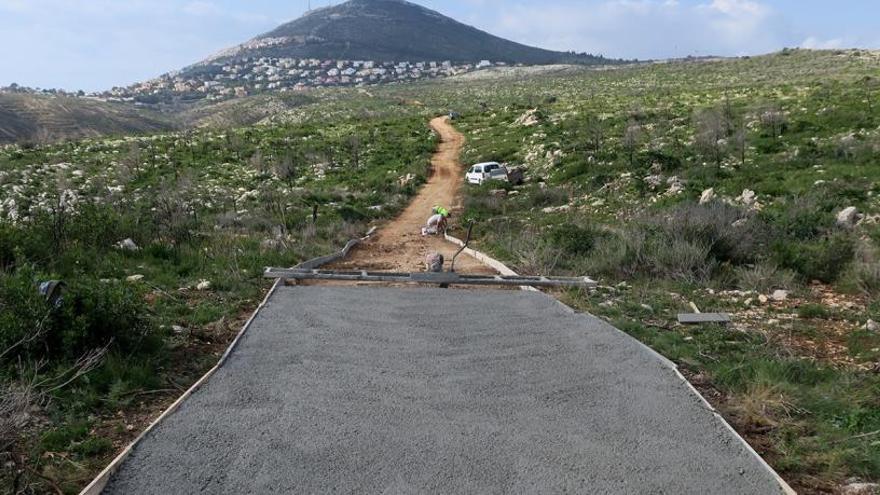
column 373, row 390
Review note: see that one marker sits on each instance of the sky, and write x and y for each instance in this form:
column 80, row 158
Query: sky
column 97, row 44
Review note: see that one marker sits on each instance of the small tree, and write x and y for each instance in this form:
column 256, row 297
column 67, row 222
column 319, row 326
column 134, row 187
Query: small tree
column 632, row 139
column 741, row 142
column 258, row 163
column 132, row 160
column 594, row 129
column 286, row 170
column 354, row 148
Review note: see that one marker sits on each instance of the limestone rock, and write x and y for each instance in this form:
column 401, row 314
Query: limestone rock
column 708, row 196
column 848, row 217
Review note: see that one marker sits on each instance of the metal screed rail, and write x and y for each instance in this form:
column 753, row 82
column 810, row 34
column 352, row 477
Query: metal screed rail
column 429, row 278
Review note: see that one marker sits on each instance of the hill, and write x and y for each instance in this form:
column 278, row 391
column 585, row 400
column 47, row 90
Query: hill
column 390, row 30
column 32, row 117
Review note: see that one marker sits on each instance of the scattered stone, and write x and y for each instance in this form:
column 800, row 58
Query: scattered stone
column 848, row 217
column 135, row 278
column 498, row 193
column 178, row 329
column 747, row 197
column 860, row 489
column 780, row 295
column 748, row 302
column 127, row 245
column 653, row 181
column 556, row 209
column 708, row 196
column 203, row 285
column 763, row 299
column 872, row 326
column 739, row 223
column 271, row 244
column 527, row 119
column 129, row 427
column 647, row 308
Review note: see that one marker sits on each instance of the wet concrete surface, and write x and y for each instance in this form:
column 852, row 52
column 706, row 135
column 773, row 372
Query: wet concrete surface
column 384, row 390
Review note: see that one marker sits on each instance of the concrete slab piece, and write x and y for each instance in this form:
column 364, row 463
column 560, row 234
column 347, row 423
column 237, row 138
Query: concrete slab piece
column 697, row 318
column 370, row 390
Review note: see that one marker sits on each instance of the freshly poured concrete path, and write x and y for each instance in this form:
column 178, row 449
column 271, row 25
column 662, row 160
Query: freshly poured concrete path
column 369, row 390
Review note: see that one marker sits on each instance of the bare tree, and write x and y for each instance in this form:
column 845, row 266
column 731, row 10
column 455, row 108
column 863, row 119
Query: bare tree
column 354, row 148
column 632, row 139
column 741, row 142
column 773, row 121
column 258, row 163
column 286, row 170
column 711, row 134
column 132, row 160
column 595, row 133
column 28, row 388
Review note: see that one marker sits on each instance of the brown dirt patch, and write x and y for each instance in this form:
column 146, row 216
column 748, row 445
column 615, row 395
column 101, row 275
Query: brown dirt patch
column 399, row 246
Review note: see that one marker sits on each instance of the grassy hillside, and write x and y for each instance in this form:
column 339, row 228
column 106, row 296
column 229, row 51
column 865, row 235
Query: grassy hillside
column 619, row 165
column 38, row 118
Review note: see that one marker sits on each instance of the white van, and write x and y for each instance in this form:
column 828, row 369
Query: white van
column 482, row 172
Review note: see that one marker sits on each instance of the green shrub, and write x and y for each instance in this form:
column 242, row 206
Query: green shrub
column 823, row 259
column 538, row 197
column 573, row 239
column 61, row 438
column 813, row 311
column 95, row 313
column 93, row 446
column 92, row 315
column 801, row 218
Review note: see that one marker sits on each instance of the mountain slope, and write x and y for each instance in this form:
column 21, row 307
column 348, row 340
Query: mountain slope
column 390, row 30
column 29, row 117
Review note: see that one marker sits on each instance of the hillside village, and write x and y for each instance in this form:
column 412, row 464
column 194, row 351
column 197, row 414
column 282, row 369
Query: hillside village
column 247, row 76
column 251, row 75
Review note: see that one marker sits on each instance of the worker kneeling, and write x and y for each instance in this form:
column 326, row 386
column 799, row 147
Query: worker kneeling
column 436, row 224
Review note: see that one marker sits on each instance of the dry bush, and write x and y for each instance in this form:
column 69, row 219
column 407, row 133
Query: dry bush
column 765, row 277
column 863, row 274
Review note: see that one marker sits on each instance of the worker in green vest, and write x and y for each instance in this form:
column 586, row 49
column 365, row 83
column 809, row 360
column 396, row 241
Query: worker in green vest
column 439, row 210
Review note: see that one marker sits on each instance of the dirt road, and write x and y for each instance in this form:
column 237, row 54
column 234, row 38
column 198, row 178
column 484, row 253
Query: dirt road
column 399, row 245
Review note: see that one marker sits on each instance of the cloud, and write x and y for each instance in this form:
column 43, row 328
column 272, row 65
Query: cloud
column 815, row 43
column 648, row 28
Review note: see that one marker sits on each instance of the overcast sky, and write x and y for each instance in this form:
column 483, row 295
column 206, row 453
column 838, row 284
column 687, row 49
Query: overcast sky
column 97, row 44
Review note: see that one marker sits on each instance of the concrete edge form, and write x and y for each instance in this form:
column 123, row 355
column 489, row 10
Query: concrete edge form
column 487, row 260
column 316, row 263
column 98, row 484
